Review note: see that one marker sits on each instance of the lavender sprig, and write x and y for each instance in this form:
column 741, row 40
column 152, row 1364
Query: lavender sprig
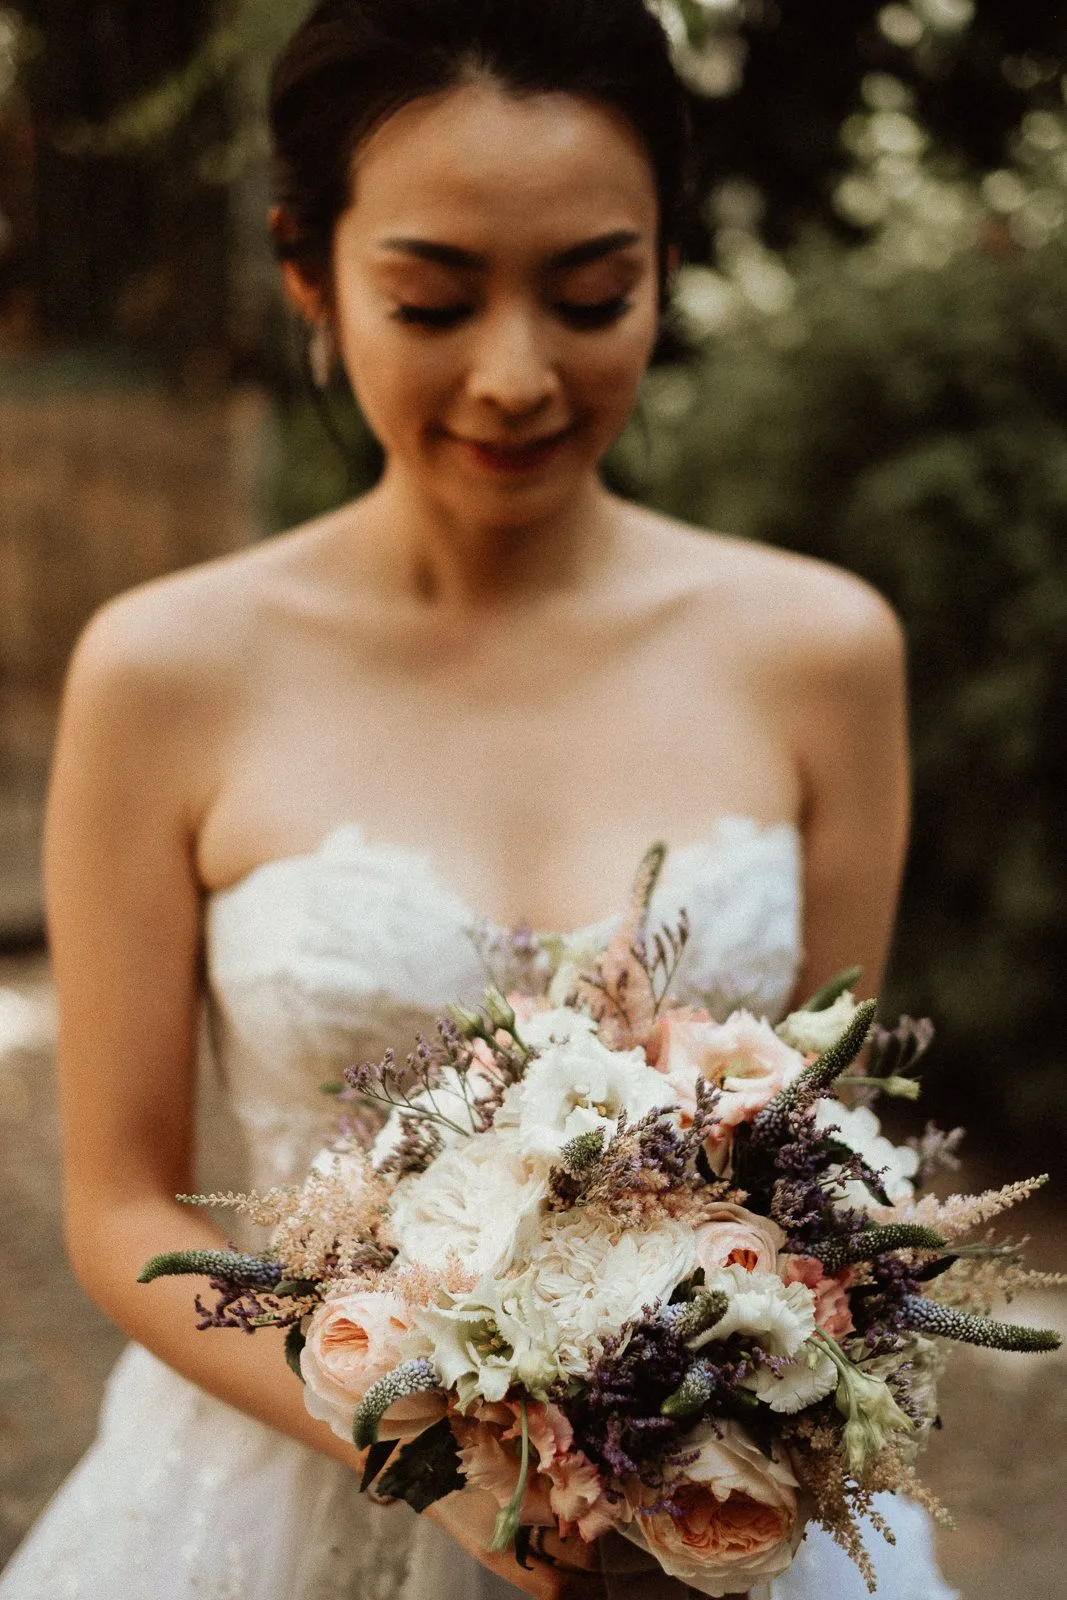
column 772, row 1123
column 249, row 1272
column 411, row 1377
column 930, row 1316
column 867, row 1243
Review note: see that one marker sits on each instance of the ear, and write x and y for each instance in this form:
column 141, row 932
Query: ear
column 674, row 257
column 304, row 295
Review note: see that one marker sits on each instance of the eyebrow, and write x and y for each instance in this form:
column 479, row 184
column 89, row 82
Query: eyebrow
column 576, row 255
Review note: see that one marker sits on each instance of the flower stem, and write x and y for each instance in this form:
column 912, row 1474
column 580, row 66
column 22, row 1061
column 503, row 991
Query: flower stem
column 507, row 1521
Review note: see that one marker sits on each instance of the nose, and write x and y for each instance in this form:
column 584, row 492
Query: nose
column 512, row 370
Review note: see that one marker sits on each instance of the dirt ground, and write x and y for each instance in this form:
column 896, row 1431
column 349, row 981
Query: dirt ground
column 999, row 1464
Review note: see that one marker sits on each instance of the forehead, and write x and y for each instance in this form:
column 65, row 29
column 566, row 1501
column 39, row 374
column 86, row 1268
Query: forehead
column 487, row 168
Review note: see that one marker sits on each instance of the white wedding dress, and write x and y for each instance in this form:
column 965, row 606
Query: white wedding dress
column 314, row 962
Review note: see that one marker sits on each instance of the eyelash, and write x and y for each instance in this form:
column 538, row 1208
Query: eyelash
column 586, row 318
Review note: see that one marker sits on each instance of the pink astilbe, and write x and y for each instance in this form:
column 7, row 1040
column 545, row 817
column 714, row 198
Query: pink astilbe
column 619, row 991
column 418, row 1285
column 960, row 1214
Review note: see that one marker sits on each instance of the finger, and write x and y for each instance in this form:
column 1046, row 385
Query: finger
column 569, row 1552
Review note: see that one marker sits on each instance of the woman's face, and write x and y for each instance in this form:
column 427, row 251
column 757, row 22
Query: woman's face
column 496, row 296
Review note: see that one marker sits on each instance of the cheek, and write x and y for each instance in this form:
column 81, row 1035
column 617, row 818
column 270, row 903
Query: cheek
column 608, row 378
column 397, row 385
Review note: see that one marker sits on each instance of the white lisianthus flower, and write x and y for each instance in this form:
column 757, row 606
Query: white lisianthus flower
column 813, row 1032
column 809, row 1377
column 478, row 1202
column 861, row 1131
column 546, row 1028
column 448, row 1104
column 490, row 1337
column 577, row 1085
column 778, row 1316
column 593, row 1283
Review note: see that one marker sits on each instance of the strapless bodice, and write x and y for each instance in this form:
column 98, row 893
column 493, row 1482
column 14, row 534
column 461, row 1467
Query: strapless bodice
column 317, row 961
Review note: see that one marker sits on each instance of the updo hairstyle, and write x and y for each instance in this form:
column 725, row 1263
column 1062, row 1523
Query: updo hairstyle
column 353, row 63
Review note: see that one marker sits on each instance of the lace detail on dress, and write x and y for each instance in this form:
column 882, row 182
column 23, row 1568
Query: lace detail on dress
column 322, row 960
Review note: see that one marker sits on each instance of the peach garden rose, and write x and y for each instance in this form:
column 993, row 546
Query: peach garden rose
column 352, row 1341
column 735, row 1521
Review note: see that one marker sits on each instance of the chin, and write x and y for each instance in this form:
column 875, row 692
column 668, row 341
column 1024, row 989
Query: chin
column 521, row 503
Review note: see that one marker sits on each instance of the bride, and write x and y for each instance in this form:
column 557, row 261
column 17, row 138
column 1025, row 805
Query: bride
column 288, row 783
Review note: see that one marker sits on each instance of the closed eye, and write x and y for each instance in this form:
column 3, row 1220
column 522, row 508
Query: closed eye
column 577, row 314
column 433, row 316
column 601, row 314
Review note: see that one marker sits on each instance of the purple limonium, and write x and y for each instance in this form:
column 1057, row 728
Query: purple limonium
column 237, row 1306
column 618, row 1418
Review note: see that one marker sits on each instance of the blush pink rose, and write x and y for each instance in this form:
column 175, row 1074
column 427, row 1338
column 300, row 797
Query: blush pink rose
column 734, row 1521
column 353, row 1341
column 732, row 1236
column 832, row 1312
column 742, row 1057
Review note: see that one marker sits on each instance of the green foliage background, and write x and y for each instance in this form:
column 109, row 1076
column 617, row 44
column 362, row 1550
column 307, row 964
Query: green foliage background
column 916, row 433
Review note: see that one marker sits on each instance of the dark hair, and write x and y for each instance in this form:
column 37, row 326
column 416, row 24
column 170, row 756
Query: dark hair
column 354, row 62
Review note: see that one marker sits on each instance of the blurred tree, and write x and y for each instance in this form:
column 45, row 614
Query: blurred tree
column 126, row 250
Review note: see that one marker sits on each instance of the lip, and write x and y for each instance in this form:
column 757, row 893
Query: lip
column 513, row 457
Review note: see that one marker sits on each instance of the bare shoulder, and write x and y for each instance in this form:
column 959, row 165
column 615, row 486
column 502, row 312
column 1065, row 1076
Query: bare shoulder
column 163, row 672
column 199, row 631
column 794, row 613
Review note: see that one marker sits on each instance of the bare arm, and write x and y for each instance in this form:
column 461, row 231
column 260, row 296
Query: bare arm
column 852, row 751
column 132, row 776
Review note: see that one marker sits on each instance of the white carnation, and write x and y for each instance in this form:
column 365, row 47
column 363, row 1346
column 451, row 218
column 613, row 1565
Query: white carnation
column 577, row 1085
column 778, row 1316
column 861, row 1131
column 592, row 1282
column 815, row 1031
column 478, row 1202
column 809, row 1377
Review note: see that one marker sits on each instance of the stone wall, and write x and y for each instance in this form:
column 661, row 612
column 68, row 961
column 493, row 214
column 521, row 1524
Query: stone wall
column 98, row 492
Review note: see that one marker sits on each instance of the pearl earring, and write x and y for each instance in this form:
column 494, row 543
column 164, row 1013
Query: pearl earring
column 322, row 353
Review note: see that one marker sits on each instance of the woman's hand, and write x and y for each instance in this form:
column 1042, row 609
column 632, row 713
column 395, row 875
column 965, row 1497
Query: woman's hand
column 561, row 1569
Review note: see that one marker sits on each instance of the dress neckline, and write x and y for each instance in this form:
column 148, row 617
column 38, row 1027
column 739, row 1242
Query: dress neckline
column 347, row 838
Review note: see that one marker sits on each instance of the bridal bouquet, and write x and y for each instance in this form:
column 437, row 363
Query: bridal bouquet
column 628, row 1268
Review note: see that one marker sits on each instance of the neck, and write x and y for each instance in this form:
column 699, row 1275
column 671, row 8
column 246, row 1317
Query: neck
column 426, row 554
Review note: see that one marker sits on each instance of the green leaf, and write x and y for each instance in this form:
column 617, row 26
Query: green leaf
column 523, row 1535
column 824, row 998
column 425, row 1470
column 377, row 1456
column 294, row 1343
